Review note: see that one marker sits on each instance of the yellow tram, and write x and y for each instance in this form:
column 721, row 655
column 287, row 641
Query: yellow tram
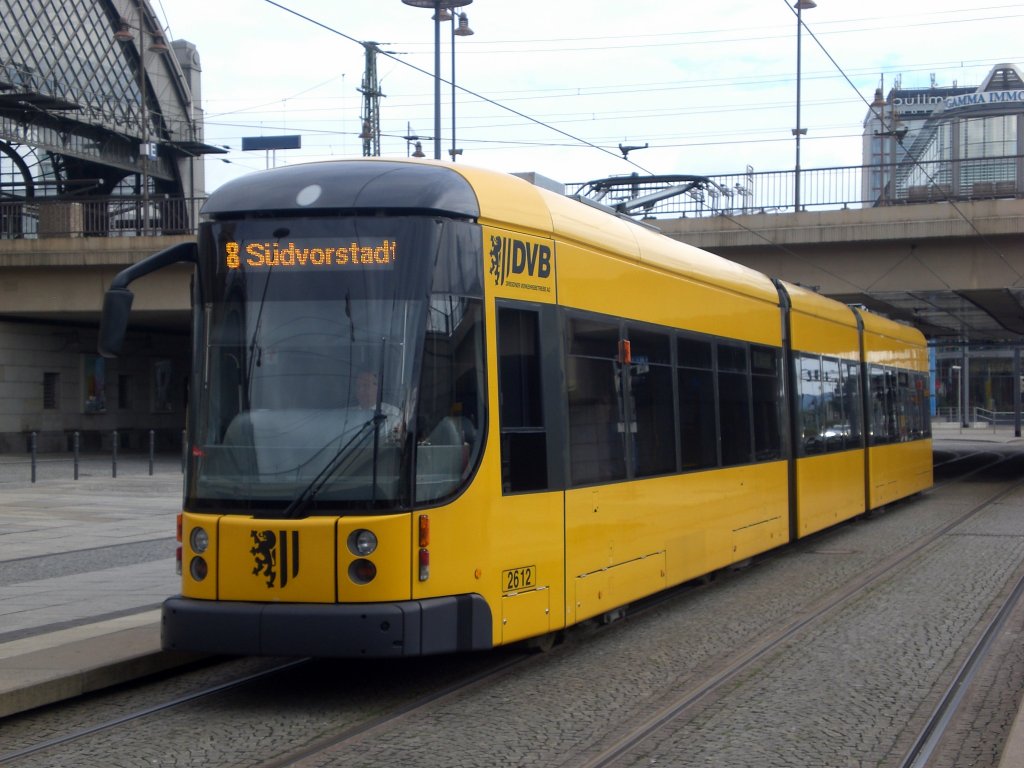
column 436, row 409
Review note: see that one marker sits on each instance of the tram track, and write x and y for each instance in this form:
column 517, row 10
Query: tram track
column 927, row 743
column 364, row 727
column 395, row 718
column 130, row 717
column 691, row 698
column 500, row 665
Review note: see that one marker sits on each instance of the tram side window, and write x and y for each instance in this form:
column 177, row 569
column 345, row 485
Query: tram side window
column 809, row 405
column 764, row 367
column 922, row 405
column 597, row 421
column 884, row 417
column 450, row 415
column 734, row 416
column 913, row 394
column 834, row 426
column 650, row 388
column 523, row 437
column 697, row 429
column 852, row 407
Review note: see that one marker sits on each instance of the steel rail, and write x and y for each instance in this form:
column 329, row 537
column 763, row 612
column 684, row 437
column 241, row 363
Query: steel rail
column 927, row 742
column 147, row 711
column 415, row 707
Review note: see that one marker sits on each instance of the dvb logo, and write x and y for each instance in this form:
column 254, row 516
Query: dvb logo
column 518, row 258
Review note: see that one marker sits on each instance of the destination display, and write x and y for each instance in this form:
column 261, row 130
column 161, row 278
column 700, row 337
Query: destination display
column 320, row 254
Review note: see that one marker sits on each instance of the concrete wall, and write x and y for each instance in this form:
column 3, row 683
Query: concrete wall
column 151, row 378
column 934, row 247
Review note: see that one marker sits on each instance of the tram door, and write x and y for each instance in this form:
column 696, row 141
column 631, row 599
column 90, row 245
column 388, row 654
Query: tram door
column 531, row 432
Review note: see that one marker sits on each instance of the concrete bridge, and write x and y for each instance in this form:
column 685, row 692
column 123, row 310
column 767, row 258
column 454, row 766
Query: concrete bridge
column 955, row 270
column 63, row 279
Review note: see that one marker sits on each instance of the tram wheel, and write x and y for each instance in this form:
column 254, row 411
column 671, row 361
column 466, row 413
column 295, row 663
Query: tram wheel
column 543, row 643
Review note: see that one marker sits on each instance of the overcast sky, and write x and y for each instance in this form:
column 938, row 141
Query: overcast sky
column 557, row 86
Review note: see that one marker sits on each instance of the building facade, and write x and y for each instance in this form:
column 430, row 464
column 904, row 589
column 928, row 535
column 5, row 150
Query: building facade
column 949, row 143
column 101, row 142
column 946, row 142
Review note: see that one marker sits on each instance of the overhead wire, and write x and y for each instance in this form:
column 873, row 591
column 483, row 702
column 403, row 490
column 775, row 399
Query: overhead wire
column 916, row 161
column 584, row 142
column 464, row 90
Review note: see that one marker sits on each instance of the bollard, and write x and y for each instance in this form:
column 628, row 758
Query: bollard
column 32, row 448
column 113, row 468
column 75, row 446
column 152, row 449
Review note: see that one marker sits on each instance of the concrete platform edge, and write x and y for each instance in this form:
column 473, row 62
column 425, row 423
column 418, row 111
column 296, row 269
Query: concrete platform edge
column 83, row 666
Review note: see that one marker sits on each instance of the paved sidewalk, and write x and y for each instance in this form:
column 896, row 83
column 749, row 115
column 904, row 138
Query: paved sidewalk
column 84, row 566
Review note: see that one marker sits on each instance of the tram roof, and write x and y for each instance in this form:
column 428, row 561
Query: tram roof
column 511, row 201
column 367, row 184
column 489, row 197
column 812, row 303
column 883, row 326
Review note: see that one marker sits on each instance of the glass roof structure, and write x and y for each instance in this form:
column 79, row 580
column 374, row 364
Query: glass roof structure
column 95, row 101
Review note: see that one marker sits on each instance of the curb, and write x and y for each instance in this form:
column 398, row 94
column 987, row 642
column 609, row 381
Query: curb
column 54, row 674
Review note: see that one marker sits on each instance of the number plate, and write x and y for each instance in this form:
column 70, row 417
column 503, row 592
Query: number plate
column 518, row 579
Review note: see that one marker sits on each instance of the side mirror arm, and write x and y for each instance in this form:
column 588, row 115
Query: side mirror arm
column 117, row 302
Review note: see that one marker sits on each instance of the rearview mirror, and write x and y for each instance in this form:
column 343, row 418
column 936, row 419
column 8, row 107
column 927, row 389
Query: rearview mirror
column 117, row 305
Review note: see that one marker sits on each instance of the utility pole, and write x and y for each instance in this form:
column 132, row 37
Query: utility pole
column 370, row 133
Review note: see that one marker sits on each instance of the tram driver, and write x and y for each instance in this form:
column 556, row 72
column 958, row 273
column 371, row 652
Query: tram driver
column 366, row 386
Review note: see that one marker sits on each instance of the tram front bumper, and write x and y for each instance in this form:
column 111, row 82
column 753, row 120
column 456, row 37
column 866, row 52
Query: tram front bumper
column 408, row 628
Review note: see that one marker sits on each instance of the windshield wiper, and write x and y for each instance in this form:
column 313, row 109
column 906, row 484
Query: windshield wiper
column 301, row 502
column 255, row 350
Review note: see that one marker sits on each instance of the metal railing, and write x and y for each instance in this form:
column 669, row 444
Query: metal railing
column 859, row 186
column 76, row 458
column 989, row 418
column 98, row 217
column 975, row 417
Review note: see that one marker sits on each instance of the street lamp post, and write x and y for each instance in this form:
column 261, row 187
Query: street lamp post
column 959, row 403
column 800, row 6
column 438, row 6
column 460, row 30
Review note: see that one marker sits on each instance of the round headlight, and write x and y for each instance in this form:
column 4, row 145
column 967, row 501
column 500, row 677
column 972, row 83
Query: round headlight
column 362, row 542
column 198, row 568
column 362, row 571
column 199, row 539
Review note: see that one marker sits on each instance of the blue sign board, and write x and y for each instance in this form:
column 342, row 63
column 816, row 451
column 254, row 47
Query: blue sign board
column 271, row 142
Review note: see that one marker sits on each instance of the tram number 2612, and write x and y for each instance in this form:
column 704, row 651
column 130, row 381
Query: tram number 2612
column 516, row 579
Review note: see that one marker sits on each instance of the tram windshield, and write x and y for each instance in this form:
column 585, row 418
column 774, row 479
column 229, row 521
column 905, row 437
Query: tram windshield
column 339, row 365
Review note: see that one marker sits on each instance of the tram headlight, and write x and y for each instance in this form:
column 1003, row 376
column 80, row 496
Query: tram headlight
column 199, row 540
column 362, row 571
column 198, row 568
column 362, row 542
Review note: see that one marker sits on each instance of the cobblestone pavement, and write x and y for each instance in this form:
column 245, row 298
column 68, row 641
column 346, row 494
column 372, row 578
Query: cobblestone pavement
column 848, row 691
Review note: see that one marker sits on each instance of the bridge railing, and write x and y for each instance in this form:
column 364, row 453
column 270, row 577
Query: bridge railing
column 859, row 186
column 98, row 217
